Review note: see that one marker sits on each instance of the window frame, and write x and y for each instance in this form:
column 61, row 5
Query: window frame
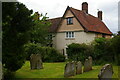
column 70, row 34
column 69, row 20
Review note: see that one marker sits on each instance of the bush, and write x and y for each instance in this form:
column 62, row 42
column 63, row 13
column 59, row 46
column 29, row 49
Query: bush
column 52, row 55
column 116, row 48
column 32, row 48
column 79, row 51
column 103, row 51
column 48, row 54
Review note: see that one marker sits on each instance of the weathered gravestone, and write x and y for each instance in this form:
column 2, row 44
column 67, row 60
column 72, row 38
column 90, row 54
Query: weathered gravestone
column 90, row 61
column 106, row 72
column 79, row 68
column 36, row 61
column 88, row 64
column 70, row 69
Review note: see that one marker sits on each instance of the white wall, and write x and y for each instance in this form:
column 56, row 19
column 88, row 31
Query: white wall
column 60, row 41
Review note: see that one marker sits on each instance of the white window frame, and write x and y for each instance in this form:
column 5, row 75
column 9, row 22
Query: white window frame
column 70, row 34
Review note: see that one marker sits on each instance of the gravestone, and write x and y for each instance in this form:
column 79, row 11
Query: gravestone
column 70, row 69
column 78, row 67
column 90, row 62
column 36, row 61
column 106, row 72
column 86, row 66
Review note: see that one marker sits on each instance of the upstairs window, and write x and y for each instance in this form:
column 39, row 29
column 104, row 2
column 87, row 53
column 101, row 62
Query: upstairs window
column 69, row 20
column 70, row 35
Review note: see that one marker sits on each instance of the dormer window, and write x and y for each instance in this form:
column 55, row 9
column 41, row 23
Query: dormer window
column 70, row 20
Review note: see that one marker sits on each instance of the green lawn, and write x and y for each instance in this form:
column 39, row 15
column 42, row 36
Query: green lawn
column 56, row 70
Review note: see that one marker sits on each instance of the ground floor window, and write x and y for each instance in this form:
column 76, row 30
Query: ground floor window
column 70, row 35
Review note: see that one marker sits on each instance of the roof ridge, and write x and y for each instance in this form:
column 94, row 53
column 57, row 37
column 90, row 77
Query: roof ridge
column 75, row 9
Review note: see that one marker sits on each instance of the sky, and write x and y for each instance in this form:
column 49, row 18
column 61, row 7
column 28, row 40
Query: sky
column 56, row 8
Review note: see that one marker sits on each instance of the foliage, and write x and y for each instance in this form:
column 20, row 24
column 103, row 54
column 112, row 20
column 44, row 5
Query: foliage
column 103, row 51
column 40, row 30
column 32, row 48
column 116, row 48
column 52, row 55
column 48, row 54
column 79, row 51
column 16, row 25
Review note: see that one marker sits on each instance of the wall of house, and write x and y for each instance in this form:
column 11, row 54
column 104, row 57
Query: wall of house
column 98, row 35
column 61, row 42
column 108, row 36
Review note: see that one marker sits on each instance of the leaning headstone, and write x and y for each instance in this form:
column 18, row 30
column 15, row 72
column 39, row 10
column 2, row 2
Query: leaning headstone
column 106, row 72
column 70, row 69
column 36, row 61
column 79, row 68
column 90, row 62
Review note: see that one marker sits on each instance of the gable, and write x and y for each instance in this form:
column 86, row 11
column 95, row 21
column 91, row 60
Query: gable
column 63, row 27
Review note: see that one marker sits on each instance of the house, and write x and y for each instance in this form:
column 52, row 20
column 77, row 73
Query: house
column 77, row 26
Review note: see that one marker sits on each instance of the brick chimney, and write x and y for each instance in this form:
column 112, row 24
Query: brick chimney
column 85, row 7
column 100, row 15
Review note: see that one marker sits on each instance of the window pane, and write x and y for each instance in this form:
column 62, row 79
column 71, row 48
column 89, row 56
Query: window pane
column 69, row 34
column 66, row 34
column 72, row 34
column 69, row 20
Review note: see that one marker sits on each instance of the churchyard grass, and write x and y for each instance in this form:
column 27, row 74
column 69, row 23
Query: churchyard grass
column 56, row 70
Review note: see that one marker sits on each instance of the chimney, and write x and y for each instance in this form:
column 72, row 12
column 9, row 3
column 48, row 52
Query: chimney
column 85, row 7
column 100, row 15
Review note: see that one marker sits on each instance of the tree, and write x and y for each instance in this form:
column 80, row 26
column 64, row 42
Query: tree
column 17, row 22
column 116, row 48
column 40, row 30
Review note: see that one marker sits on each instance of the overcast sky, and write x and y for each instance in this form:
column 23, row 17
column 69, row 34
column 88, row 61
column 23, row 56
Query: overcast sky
column 56, row 8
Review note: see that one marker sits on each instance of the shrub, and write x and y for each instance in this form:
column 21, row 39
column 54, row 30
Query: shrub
column 48, row 54
column 116, row 48
column 52, row 55
column 103, row 51
column 32, row 48
column 79, row 51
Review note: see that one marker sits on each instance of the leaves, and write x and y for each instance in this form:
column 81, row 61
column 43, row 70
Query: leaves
column 17, row 22
column 40, row 30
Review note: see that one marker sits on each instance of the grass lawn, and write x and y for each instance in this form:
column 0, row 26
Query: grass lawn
column 56, row 70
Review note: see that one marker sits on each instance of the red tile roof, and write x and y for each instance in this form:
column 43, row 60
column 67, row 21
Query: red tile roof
column 55, row 23
column 88, row 22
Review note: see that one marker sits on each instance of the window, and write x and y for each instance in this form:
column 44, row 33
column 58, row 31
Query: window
column 70, row 20
column 70, row 35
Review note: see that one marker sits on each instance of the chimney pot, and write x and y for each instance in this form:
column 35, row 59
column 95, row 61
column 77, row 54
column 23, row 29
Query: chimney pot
column 100, row 15
column 85, row 7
